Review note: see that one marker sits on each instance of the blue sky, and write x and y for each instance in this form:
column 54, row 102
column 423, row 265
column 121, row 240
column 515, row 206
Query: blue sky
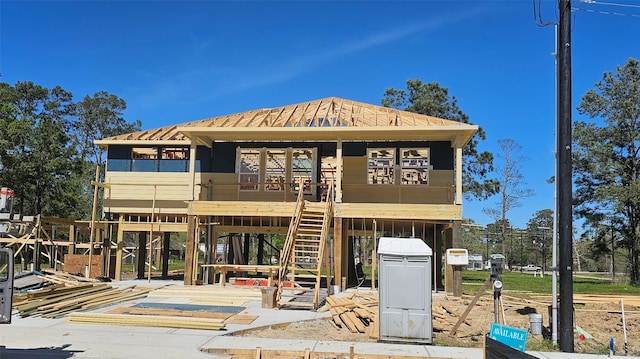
column 175, row 62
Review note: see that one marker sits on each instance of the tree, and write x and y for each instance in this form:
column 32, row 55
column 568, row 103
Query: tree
column 47, row 154
column 510, row 185
column 606, row 159
column 540, row 229
column 36, row 156
column 433, row 100
column 98, row 117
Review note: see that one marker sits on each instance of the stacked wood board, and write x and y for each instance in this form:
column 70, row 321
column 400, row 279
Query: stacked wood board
column 357, row 312
column 212, row 295
column 55, row 302
column 66, row 293
column 147, row 321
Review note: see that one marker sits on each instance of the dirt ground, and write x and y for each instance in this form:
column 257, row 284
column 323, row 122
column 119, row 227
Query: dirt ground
column 599, row 322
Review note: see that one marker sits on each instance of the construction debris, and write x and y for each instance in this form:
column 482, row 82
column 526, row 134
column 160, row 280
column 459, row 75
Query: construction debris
column 355, row 312
column 59, row 293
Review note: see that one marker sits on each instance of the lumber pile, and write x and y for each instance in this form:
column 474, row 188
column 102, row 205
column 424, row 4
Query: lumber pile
column 445, row 316
column 68, row 293
column 147, row 321
column 211, row 295
column 357, row 312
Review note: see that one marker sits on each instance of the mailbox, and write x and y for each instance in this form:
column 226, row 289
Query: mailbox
column 457, row 257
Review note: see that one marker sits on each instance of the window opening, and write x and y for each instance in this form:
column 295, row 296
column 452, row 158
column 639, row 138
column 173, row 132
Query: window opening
column 144, row 153
column 381, row 162
column 302, row 169
column 275, row 170
column 415, row 166
column 249, row 171
column 175, row 153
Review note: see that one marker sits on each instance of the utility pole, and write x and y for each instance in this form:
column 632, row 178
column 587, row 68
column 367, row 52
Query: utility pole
column 565, row 227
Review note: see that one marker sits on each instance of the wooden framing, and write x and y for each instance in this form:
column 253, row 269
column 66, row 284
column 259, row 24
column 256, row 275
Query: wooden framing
column 334, row 128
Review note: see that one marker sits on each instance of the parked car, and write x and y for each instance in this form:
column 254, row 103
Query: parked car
column 531, row 268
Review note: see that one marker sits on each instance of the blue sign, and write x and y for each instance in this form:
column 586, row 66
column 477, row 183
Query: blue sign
column 513, row 337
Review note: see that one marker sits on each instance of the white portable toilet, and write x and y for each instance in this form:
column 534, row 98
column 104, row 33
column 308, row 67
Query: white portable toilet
column 405, row 290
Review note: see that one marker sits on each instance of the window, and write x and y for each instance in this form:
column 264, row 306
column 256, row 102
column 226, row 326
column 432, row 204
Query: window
column 415, row 166
column 275, row 171
column 175, row 153
column 144, row 153
column 381, row 162
column 302, row 169
column 249, row 171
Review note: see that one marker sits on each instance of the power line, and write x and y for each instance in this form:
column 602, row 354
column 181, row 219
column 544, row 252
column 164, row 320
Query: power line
column 537, row 15
column 610, row 4
column 605, row 12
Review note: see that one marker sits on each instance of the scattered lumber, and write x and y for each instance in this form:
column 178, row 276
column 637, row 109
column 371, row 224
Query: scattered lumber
column 147, row 321
column 69, row 293
column 355, row 312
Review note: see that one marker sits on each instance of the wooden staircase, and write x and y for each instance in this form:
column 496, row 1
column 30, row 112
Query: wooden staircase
column 304, row 254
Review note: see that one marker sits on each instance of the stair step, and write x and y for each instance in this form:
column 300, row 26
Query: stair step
column 298, row 304
column 309, row 233
column 310, row 225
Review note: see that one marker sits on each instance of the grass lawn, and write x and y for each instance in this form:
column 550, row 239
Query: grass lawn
column 516, row 281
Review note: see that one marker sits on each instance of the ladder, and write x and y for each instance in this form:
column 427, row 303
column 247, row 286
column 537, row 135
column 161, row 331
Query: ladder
column 305, row 254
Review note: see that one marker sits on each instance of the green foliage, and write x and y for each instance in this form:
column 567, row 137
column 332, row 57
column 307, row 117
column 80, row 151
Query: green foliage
column 98, row 117
column 432, row 100
column 47, row 154
column 525, row 282
column 606, row 159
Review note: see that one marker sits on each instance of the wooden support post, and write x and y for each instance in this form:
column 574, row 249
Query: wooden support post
column 93, row 216
column 214, row 235
column 153, row 212
column 338, row 197
column 337, row 251
column 72, row 239
column 374, row 259
column 448, row 269
column 437, row 255
column 189, row 251
column 458, row 199
column 196, row 250
column 119, row 248
column 457, row 270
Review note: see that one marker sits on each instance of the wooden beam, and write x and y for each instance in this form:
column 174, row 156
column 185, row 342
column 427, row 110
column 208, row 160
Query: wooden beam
column 189, row 251
column 243, row 208
column 119, row 250
column 443, row 212
column 458, row 174
column 338, row 198
column 192, row 168
column 337, row 251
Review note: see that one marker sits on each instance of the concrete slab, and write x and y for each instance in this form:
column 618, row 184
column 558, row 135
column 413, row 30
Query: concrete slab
column 36, row 337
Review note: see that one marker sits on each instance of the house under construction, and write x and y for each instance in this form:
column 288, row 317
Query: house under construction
column 320, row 173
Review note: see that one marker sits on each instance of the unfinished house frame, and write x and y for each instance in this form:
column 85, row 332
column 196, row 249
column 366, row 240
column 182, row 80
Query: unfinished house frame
column 323, row 173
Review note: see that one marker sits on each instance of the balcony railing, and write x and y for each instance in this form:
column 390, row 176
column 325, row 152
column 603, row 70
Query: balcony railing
column 140, row 165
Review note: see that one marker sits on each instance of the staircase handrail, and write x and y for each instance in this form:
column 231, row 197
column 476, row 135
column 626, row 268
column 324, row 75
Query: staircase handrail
column 291, row 233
